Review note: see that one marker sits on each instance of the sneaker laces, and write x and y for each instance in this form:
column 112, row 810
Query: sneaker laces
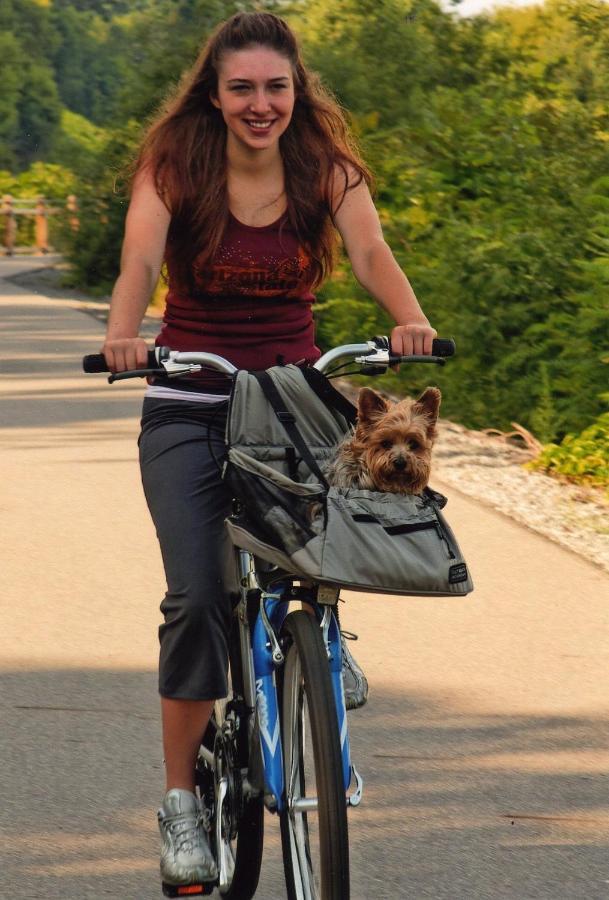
column 206, row 819
column 185, row 830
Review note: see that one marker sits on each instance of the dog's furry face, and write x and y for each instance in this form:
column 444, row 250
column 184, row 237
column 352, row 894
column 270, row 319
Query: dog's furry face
column 391, row 447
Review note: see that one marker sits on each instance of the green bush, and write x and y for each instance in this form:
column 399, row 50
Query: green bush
column 581, row 458
column 94, row 250
column 48, row 180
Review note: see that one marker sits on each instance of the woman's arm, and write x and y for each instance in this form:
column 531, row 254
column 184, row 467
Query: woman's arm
column 141, row 259
column 376, row 269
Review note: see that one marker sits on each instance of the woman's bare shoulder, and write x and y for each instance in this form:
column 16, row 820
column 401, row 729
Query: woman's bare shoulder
column 145, row 188
column 344, row 178
column 147, row 221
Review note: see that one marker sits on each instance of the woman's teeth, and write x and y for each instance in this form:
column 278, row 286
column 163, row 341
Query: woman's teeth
column 260, row 125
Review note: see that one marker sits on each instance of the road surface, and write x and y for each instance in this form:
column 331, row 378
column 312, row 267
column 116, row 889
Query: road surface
column 483, row 746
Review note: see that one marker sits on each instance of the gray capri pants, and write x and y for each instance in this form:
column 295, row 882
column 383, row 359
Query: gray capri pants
column 181, row 445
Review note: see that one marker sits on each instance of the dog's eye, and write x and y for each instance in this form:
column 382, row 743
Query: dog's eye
column 386, row 445
column 413, row 445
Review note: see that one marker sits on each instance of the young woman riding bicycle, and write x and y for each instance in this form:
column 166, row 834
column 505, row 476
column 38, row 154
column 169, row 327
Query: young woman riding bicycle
column 241, row 185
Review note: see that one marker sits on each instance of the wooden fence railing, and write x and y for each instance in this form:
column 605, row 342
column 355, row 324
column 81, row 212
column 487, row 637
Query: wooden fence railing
column 39, row 209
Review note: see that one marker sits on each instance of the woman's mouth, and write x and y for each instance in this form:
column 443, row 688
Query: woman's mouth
column 259, row 126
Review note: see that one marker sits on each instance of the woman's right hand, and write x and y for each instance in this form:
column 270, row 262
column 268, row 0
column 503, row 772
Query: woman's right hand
column 123, row 354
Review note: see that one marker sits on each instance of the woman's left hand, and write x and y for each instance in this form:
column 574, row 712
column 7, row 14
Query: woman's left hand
column 414, row 339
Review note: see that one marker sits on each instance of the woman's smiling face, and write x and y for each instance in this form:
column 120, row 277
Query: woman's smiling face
column 255, row 95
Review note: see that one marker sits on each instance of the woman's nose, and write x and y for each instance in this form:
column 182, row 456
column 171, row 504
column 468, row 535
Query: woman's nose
column 260, row 102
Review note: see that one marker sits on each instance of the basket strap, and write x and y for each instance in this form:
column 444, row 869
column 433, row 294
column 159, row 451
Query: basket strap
column 288, row 421
column 328, row 394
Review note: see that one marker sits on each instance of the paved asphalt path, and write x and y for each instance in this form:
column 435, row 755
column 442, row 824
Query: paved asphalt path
column 483, row 746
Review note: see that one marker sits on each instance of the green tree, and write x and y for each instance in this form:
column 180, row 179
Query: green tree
column 94, row 249
column 78, row 144
column 488, row 137
column 376, row 55
column 10, row 62
column 38, row 111
column 156, row 65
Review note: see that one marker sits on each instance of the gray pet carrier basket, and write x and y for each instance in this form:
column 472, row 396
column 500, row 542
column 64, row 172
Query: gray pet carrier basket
column 283, row 426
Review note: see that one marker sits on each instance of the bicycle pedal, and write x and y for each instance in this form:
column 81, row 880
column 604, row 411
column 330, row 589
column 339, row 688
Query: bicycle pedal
column 187, row 890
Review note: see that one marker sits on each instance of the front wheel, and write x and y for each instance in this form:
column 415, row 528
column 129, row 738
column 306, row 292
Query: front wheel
column 314, row 835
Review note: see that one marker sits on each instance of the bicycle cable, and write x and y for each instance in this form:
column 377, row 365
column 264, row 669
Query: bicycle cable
column 220, row 406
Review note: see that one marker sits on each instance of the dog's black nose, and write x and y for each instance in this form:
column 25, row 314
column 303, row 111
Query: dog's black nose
column 399, row 463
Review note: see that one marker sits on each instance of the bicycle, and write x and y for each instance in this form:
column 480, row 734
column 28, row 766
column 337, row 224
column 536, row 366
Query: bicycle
column 280, row 738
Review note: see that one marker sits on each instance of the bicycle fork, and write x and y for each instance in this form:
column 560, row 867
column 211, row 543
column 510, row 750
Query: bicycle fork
column 267, row 657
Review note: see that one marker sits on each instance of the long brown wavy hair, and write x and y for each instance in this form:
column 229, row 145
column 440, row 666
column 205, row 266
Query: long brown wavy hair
column 185, row 149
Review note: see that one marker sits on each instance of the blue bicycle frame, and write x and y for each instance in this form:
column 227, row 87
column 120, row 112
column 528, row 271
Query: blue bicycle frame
column 260, row 648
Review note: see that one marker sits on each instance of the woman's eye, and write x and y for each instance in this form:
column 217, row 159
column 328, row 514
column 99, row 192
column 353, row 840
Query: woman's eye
column 242, row 88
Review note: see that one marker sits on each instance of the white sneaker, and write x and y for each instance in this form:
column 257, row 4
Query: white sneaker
column 355, row 683
column 186, row 857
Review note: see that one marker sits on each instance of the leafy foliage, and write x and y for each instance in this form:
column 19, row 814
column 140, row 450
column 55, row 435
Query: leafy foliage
column 29, row 106
column 95, row 248
column 583, row 458
column 51, row 181
column 491, row 182
column 42, row 179
column 488, row 137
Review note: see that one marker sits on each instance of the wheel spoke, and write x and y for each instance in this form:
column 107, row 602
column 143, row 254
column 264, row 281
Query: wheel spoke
column 294, row 790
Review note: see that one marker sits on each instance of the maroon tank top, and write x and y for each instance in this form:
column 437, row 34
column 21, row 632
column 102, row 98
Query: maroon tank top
column 253, row 305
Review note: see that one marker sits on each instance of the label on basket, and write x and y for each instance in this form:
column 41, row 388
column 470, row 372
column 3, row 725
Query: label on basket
column 457, row 573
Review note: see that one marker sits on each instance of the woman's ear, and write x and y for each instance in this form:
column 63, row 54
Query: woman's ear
column 214, row 100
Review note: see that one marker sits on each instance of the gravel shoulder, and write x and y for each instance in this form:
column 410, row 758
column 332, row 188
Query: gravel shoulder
column 486, row 468
column 492, row 472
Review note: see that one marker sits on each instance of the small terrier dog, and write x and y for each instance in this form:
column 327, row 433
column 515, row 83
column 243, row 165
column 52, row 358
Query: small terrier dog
column 390, row 449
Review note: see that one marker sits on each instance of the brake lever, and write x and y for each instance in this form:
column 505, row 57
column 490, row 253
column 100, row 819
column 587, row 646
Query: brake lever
column 173, row 370
column 395, row 360
column 169, row 369
column 133, row 373
column 381, row 359
column 374, row 363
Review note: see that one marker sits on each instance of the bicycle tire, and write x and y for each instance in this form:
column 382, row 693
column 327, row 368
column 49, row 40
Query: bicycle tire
column 248, row 844
column 315, row 844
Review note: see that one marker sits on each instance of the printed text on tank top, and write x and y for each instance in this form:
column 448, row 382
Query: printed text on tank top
column 256, row 261
column 252, row 305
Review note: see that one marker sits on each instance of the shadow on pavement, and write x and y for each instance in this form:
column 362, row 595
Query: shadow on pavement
column 82, row 779
column 456, row 805
column 480, row 806
column 44, row 384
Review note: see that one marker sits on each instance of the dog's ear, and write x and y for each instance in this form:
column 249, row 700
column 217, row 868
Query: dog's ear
column 370, row 406
column 429, row 404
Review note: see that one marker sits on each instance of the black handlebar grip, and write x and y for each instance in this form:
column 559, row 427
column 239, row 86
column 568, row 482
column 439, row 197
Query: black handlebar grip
column 96, row 362
column 443, row 347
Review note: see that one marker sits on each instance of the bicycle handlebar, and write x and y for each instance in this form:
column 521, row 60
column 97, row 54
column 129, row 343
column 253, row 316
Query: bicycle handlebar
column 374, row 357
